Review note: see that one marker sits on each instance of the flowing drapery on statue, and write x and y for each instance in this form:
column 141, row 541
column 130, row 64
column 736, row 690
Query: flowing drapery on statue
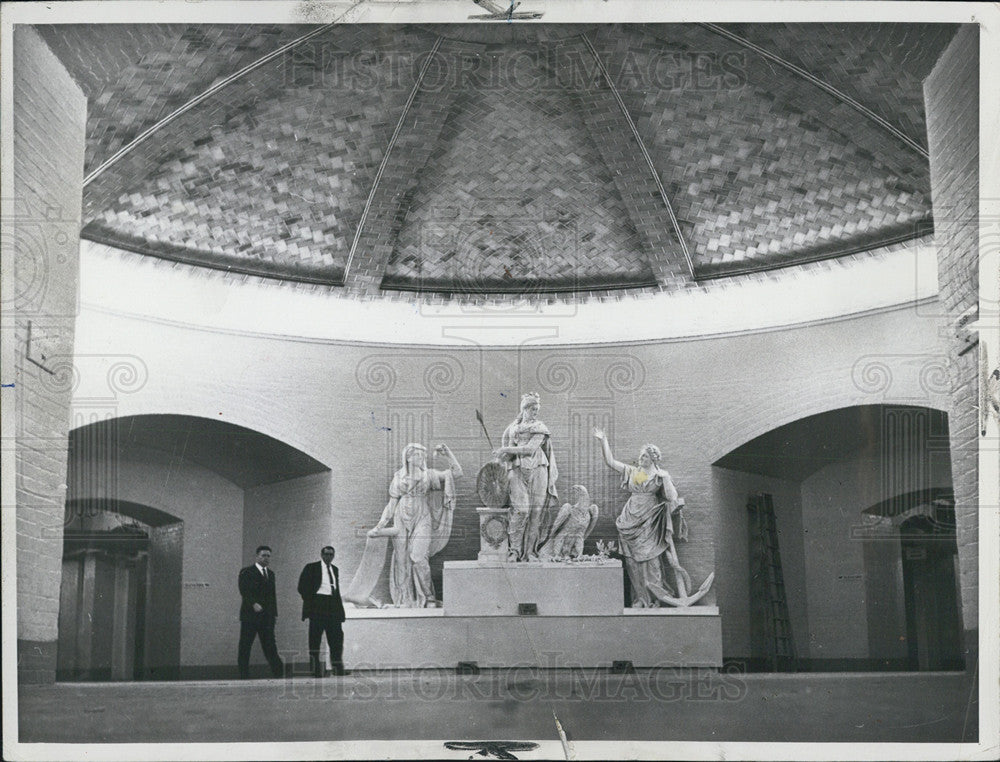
column 648, row 524
column 526, row 449
column 417, row 519
column 572, row 525
column 420, row 536
column 370, row 569
column 646, row 527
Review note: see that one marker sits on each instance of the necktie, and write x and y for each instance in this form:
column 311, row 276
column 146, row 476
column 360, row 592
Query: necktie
column 329, row 573
column 264, row 572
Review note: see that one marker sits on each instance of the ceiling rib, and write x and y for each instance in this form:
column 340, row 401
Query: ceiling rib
column 825, row 86
column 395, row 181
column 645, row 154
column 388, row 152
column 146, row 134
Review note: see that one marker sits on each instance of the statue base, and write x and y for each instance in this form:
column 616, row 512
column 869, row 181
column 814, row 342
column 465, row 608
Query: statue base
column 426, row 639
column 549, row 614
column 493, row 541
column 549, row 588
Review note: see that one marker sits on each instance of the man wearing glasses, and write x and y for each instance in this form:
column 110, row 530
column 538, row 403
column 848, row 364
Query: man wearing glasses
column 319, row 586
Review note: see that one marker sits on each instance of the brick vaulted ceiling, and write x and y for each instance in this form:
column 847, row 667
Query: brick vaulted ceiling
column 483, row 159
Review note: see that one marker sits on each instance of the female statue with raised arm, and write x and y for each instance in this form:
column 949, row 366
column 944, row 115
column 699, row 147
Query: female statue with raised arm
column 420, row 510
column 526, row 449
column 647, row 526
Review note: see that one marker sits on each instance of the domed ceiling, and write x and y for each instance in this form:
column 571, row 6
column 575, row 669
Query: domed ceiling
column 503, row 158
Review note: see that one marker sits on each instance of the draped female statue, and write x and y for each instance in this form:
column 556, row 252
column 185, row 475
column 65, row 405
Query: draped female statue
column 647, row 525
column 526, row 449
column 418, row 518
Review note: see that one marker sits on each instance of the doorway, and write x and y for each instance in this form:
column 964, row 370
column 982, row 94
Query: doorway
column 119, row 608
column 930, row 555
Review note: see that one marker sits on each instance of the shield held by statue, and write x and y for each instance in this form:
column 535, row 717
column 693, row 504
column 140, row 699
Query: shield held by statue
column 492, row 486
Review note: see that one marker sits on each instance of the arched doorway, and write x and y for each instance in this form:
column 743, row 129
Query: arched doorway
column 120, row 591
column 162, row 511
column 833, row 483
column 930, row 557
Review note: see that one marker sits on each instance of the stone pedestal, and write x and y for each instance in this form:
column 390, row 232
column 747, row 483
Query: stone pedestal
column 495, row 588
column 427, row 639
column 550, row 614
column 493, row 542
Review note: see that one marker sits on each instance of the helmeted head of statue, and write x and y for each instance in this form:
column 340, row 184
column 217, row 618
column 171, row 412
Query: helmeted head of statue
column 530, row 403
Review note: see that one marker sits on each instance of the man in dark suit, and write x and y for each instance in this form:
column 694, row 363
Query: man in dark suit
column 319, row 586
column 258, row 612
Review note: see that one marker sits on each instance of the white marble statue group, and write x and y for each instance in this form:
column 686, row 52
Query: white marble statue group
column 418, row 517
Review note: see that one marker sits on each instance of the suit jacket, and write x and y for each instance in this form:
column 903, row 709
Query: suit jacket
column 254, row 589
column 309, row 581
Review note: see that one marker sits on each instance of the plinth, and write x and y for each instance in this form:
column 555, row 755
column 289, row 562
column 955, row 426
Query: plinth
column 550, row 614
column 552, row 588
column 572, row 625
column 493, row 542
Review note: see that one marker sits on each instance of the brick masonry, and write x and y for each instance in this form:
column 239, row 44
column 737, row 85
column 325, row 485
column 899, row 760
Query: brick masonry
column 49, row 121
column 951, row 93
column 289, row 192
column 536, row 168
column 858, row 59
column 697, row 399
column 610, row 130
column 758, row 168
column 212, row 545
column 422, row 125
column 353, row 407
column 269, row 175
column 157, row 67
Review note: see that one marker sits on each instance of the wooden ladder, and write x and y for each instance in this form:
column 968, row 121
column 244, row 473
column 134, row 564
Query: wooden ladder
column 767, row 585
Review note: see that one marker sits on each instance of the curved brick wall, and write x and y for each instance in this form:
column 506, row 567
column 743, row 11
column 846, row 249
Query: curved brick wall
column 698, row 399
column 352, row 407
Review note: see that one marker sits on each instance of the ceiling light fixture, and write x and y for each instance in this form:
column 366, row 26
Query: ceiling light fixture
column 497, row 13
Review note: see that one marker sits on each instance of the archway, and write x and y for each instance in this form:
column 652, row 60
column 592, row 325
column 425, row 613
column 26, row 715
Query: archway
column 120, row 592
column 161, row 511
column 930, row 558
column 840, row 590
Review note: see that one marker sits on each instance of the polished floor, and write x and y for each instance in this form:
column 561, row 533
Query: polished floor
column 514, row 704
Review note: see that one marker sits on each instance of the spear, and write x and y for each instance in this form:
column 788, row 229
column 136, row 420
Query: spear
column 479, row 417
